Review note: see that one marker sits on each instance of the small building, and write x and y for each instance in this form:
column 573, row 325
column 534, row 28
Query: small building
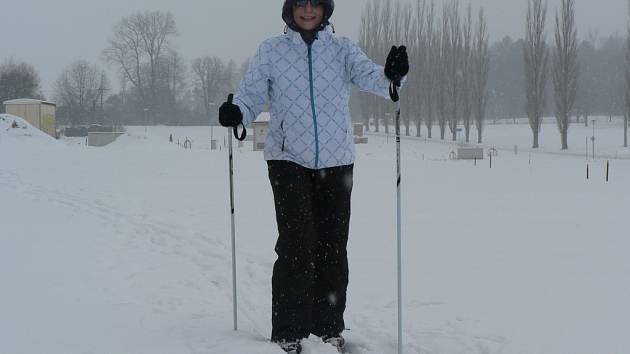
column 99, row 135
column 357, row 129
column 40, row 114
column 261, row 127
column 470, row 153
column 358, row 133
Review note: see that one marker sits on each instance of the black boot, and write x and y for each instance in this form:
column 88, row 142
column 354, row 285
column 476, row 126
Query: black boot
column 291, row 347
column 336, row 341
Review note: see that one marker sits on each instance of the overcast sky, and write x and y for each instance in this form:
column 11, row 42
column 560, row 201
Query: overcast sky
column 51, row 34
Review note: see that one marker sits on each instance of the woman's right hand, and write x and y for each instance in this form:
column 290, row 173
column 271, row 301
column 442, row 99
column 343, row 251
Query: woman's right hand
column 230, row 114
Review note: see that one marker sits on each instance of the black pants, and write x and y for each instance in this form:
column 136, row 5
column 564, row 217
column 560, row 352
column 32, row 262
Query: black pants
column 310, row 276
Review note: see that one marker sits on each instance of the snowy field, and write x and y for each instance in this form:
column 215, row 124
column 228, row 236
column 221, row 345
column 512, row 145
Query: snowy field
column 126, row 249
column 509, row 134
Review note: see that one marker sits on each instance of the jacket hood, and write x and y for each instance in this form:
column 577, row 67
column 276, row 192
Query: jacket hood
column 287, row 14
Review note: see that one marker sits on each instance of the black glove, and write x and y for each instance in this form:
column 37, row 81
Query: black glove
column 229, row 114
column 397, row 65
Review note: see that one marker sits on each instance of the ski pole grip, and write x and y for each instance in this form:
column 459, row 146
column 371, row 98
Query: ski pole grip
column 243, row 135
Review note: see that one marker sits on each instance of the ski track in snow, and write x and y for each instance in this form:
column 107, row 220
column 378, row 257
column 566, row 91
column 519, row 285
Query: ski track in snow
column 211, row 257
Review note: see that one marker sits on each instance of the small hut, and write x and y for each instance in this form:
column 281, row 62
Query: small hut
column 260, row 127
column 40, row 114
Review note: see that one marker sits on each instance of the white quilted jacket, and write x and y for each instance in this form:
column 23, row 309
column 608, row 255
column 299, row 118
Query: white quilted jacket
column 308, row 87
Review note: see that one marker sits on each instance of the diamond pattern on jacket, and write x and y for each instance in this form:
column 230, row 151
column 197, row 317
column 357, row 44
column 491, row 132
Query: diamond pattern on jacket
column 280, row 72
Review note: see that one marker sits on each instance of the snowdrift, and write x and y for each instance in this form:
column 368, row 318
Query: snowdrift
column 17, row 129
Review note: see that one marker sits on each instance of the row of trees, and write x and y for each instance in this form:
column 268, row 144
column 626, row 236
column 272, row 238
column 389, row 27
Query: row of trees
column 156, row 84
column 449, row 60
column 453, row 85
column 600, row 87
column 583, row 75
column 450, row 84
column 564, row 66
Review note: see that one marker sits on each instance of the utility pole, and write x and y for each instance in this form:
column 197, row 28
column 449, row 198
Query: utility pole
column 102, row 91
column 146, row 120
column 593, row 139
column 625, row 128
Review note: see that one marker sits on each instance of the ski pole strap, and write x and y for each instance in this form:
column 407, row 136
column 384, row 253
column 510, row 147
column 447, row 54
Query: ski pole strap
column 243, row 134
column 393, row 92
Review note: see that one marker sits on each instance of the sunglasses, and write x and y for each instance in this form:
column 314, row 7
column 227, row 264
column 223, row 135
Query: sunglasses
column 314, row 3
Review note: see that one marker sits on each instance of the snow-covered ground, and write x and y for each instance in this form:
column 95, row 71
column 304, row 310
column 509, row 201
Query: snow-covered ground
column 511, row 134
column 126, row 248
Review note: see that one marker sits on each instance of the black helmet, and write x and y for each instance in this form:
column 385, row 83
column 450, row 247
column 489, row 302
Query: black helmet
column 287, row 13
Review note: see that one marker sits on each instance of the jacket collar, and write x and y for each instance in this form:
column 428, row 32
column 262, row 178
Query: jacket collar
column 322, row 36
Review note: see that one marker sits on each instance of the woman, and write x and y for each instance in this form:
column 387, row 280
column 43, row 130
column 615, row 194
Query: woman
column 306, row 74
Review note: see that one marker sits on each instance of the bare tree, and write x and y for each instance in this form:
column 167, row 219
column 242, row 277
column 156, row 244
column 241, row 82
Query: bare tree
column 214, row 79
column 208, row 73
column 125, row 51
column 98, row 96
column 18, row 80
column 447, row 82
column 442, row 72
column 156, row 29
column 389, row 31
column 587, row 85
column 372, row 42
column 536, row 58
column 378, row 53
column 79, row 91
column 432, row 57
column 467, row 72
column 481, row 66
column 453, row 62
column 565, row 67
column 172, row 84
column 412, row 93
column 364, row 42
column 139, row 43
column 412, row 25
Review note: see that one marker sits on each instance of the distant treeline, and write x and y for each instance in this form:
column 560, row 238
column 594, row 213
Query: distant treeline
column 600, row 80
column 156, row 85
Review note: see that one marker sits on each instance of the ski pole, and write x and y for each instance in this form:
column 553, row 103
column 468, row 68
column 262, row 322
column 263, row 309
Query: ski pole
column 393, row 92
column 231, row 163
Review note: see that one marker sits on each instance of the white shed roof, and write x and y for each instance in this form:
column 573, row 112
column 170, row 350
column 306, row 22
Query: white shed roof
column 27, row 101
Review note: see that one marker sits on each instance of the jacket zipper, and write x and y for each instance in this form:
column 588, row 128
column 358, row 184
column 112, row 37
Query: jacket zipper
column 310, row 74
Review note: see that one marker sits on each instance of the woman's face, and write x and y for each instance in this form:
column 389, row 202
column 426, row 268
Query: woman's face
column 308, row 17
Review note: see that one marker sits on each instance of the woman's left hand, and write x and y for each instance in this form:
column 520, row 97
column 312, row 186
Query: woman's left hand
column 397, row 65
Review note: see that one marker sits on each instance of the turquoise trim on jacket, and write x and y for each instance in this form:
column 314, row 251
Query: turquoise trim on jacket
column 310, row 77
